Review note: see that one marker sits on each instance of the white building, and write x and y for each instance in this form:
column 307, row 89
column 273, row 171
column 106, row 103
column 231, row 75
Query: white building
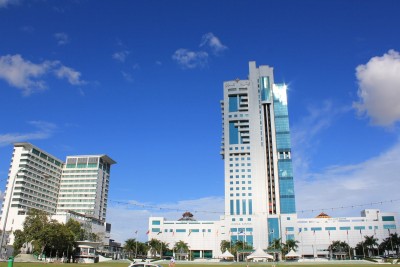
column 203, row 237
column 259, row 187
column 41, row 181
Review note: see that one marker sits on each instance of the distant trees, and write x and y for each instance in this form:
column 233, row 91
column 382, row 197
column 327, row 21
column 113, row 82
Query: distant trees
column 49, row 237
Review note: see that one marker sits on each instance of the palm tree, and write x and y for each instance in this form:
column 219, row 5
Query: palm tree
column 339, row 247
column 130, row 246
column 276, row 244
column 370, row 242
column 181, row 248
column 225, row 245
column 154, row 244
column 291, row 244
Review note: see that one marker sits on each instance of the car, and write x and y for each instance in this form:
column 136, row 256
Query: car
column 143, row 264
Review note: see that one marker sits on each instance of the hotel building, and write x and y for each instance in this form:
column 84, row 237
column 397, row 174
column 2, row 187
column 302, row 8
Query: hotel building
column 259, row 189
column 76, row 189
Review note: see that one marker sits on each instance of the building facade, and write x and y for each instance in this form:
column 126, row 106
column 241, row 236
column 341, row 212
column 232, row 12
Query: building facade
column 259, row 189
column 259, row 186
column 77, row 189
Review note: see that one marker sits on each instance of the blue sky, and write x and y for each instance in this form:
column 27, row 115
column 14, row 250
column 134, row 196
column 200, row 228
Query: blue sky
column 141, row 81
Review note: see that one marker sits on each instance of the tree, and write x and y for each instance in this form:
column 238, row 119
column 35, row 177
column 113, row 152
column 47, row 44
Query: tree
column 130, row 245
column 47, row 236
column 19, row 241
column 292, row 244
column 370, row 242
column 339, row 247
column 154, row 244
column 225, row 245
column 276, row 244
column 181, row 246
column 76, row 228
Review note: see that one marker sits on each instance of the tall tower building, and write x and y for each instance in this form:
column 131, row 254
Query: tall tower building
column 75, row 189
column 84, row 185
column 259, row 189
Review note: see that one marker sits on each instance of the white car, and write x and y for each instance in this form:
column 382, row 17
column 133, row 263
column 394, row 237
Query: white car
column 143, row 264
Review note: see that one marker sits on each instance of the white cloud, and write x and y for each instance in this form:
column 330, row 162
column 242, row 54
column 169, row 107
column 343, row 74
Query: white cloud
column 28, row 76
column 73, row 76
column 190, row 59
column 127, row 76
column 379, row 89
column 212, row 41
column 5, row 3
column 352, row 187
column 305, row 133
column 121, row 55
column 126, row 219
column 339, row 186
column 45, row 130
column 62, row 38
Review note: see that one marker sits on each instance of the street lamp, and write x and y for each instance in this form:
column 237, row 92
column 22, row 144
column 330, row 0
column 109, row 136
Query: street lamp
column 8, row 209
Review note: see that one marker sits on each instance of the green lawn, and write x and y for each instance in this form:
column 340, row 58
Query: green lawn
column 242, row 264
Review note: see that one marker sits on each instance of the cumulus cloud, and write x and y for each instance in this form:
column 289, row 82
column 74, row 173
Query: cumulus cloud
column 190, row 59
column 129, row 218
column 121, row 55
column 379, row 89
column 73, row 76
column 212, row 41
column 62, row 38
column 305, row 132
column 353, row 187
column 44, row 130
column 28, row 76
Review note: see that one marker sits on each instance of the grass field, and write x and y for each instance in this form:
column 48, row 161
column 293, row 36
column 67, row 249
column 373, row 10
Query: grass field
column 165, row 264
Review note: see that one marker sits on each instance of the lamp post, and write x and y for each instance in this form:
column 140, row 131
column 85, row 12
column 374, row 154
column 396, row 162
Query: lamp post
column 8, row 209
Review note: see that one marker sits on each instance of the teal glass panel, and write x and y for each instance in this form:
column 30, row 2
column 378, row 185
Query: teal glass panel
column 345, row 228
column 388, row 218
column 250, row 207
column 283, row 140
column 237, row 206
column 330, row 228
column 273, row 229
column 233, row 133
column 281, row 124
column 285, row 168
column 155, row 223
column 389, row 226
column 265, row 89
column 233, row 103
column 249, row 240
column 155, row 230
column 244, row 207
column 316, row 228
column 231, row 207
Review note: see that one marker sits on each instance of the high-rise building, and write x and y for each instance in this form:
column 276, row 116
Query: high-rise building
column 259, row 189
column 257, row 152
column 75, row 189
column 84, row 185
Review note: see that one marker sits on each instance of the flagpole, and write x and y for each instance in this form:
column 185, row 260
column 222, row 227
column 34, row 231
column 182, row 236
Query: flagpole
column 362, row 244
column 315, row 244
column 348, row 242
column 302, row 251
column 136, row 245
column 391, row 242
